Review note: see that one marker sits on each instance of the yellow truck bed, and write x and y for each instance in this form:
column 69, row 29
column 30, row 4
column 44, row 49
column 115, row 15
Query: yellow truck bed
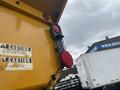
column 22, row 26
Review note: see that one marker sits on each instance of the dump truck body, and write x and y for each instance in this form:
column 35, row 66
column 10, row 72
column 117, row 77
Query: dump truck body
column 28, row 59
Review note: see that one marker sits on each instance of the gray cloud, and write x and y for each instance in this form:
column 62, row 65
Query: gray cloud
column 86, row 21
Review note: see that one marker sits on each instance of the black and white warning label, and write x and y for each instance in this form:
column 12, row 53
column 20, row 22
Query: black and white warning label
column 15, row 50
column 15, row 57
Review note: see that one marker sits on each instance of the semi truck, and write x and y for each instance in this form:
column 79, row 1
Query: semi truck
column 100, row 70
column 32, row 54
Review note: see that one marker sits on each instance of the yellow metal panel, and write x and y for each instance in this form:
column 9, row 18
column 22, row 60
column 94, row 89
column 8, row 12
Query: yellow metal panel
column 25, row 9
column 16, row 28
column 51, row 7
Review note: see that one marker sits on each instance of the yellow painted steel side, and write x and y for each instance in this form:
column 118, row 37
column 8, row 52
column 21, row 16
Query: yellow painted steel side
column 16, row 28
column 25, row 9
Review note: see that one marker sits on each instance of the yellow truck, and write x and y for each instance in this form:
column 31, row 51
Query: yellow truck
column 32, row 53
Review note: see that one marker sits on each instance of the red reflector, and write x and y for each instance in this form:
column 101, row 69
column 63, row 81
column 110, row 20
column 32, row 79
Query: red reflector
column 67, row 59
column 56, row 28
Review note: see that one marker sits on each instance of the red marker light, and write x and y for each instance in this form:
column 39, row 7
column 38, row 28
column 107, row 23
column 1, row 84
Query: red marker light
column 45, row 16
column 56, row 28
column 66, row 59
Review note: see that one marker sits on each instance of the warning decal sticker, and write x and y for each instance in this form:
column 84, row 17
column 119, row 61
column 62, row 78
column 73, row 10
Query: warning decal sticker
column 15, row 57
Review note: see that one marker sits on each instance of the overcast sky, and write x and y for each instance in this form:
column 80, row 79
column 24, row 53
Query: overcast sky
column 86, row 21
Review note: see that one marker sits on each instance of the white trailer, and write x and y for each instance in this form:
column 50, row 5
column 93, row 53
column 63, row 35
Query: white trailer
column 99, row 69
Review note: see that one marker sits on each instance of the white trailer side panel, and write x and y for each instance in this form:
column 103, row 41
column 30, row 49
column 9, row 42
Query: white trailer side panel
column 102, row 68
column 82, row 73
